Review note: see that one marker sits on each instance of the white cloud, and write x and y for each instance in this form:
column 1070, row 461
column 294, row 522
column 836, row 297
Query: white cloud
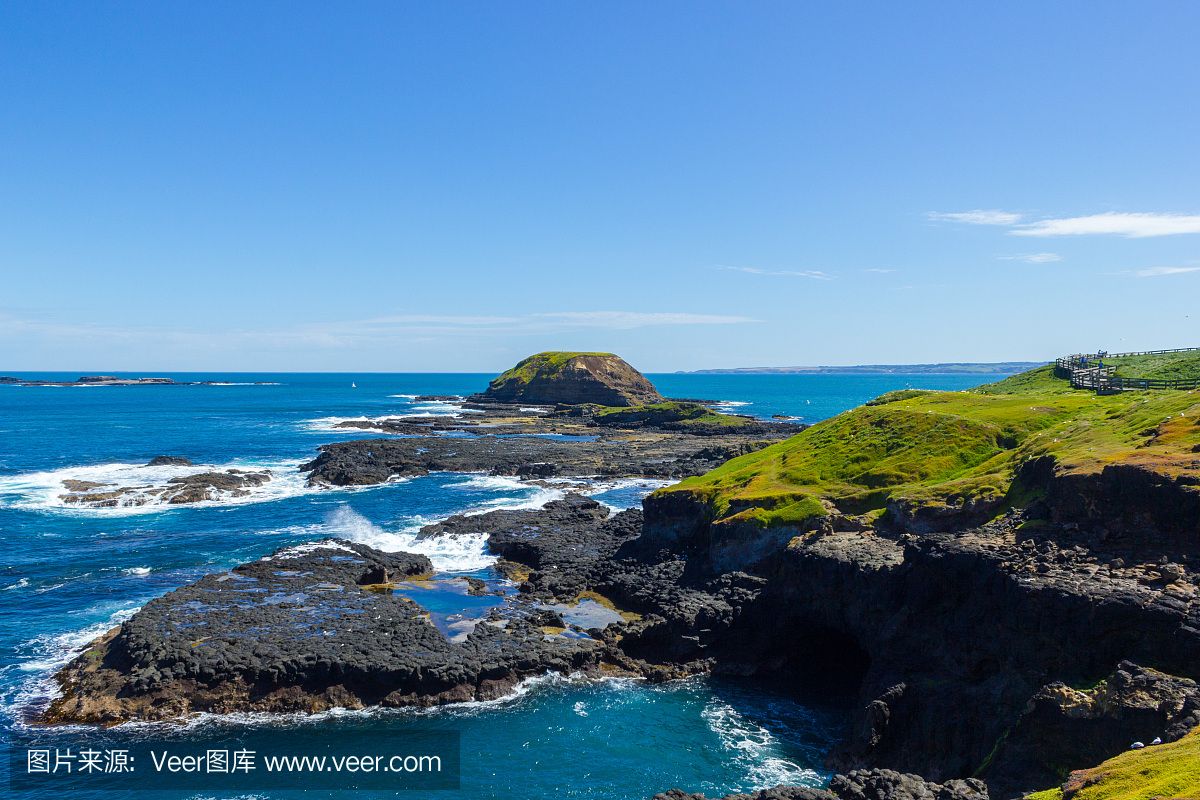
column 880, row 271
column 977, row 217
column 1153, row 271
column 1033, row 258
column 625, row 320
column 816, row 274
column 1133, row 226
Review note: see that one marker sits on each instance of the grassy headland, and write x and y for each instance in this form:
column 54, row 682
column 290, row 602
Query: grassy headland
column 949, row 448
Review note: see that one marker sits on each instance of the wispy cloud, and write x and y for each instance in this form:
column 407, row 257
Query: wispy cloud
column 1133, row 226
column 1155, row 271
column 625, row 320
column 377, row 331
column 977, row 217
column 1033, row 258
column 1129, row 225
column 815, row 274
column 880, row 271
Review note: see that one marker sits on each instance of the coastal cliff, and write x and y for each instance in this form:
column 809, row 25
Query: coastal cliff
column 572, row 378
column 1005, row 580
column 973, row 556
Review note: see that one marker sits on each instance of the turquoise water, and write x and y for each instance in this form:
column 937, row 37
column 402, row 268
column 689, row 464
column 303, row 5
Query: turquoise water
column 69, row 574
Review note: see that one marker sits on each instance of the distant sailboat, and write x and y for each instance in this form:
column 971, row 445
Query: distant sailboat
column 352, row 386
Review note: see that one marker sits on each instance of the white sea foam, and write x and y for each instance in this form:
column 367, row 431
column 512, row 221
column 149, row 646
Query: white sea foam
column 532, row 500
column 52, row 651
column 448, row 553
column 591, row 487
column 432, row 409
column 137, row 571
column 732, row 403
column 754, row 748
column 44, row 491
column 330, row 424
column 303, row 549
column 440, row 408
column 21, row 584
column 45, row 654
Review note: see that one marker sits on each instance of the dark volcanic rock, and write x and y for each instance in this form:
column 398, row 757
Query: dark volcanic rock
column 572, row 378
column 1062, row 725
column 371, row 461
column 170, row 461
column 774, row 793
column 885, row 784
column 875, row 784
column 307, row 628
column 954, row 633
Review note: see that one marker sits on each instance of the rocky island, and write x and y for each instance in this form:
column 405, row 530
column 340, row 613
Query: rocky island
column 572, row 378
column 1005, row 579
column 553, row 414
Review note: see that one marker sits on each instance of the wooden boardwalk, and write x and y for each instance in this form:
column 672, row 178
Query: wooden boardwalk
column 1088, row 371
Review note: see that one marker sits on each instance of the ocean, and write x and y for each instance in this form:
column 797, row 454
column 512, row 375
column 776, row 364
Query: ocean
column 68, row 574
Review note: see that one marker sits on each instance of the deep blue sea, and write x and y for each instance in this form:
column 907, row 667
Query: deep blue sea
column 68, row 574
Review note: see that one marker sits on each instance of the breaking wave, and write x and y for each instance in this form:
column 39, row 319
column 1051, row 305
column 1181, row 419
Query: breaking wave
column 45, row 491
column 448, row 553
column 755, row 749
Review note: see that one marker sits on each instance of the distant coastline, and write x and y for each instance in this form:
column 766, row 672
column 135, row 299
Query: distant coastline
column 953, row 368
column 112, row 380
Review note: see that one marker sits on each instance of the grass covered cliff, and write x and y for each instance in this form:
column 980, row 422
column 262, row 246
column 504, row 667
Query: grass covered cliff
column 884, row 534
column 965, row 450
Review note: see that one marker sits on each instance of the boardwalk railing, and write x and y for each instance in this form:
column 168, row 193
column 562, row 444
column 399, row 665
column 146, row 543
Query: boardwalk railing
column 1088, row 371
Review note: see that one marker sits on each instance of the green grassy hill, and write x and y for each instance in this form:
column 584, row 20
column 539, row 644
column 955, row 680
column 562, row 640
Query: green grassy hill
column 949, row 448
column 541, row 365
column 1164, row 366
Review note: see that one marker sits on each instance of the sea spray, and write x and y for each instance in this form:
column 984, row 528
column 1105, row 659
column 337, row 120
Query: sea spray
column 448, row 553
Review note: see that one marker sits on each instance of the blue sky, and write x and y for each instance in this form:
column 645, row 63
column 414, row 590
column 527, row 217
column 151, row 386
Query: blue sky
column 453, row 186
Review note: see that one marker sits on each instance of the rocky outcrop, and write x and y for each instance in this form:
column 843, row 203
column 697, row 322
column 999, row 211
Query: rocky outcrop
column 201, row 487
column 372, row 461
column 774, row 793
column 572, row 378
column 876, row 784
column 170, row 461
column 334, row 623
column 1062, row 725
column 961, row 634
column 311, row 627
